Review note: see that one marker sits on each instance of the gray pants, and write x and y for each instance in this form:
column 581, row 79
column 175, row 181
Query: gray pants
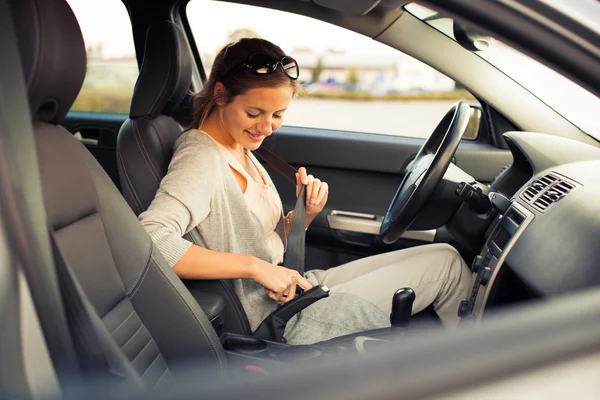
column 436, row 272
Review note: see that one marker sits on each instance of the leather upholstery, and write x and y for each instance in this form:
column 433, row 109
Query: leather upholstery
column 146, row 140
column 52, row 55
column 165, row 75
column 144, row 306
column 144, row 150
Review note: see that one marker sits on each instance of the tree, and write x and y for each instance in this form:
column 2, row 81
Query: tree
column 352, row 78
column 317, row 70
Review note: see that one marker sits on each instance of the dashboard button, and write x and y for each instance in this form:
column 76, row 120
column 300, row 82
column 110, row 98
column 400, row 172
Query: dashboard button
column 477, row 263
column 486, row 275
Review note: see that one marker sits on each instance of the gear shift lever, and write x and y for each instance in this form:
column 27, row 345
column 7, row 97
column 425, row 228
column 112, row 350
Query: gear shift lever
column 402, row 307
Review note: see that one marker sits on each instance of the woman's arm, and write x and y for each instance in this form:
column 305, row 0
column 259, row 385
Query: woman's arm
column 201, row 263
column 280, row 282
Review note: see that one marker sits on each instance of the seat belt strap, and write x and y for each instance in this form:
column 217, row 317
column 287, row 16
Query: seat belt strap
column 296, row 240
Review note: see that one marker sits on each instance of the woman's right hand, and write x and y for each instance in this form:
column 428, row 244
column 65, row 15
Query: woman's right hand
column 279, row 282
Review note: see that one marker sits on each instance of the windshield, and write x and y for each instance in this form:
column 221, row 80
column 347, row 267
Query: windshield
column 570, row 100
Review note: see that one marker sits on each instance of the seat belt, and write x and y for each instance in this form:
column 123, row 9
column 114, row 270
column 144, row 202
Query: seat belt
column 96, row 351
column 296, row 240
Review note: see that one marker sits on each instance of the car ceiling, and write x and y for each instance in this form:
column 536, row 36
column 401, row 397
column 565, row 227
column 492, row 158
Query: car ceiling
column 359, row 16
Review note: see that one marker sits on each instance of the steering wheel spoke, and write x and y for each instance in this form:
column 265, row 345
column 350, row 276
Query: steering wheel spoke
column 426, row 172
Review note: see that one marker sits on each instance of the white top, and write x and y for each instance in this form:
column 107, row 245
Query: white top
column 263, row 202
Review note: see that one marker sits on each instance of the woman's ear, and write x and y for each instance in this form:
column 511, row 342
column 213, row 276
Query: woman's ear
column 220, row 94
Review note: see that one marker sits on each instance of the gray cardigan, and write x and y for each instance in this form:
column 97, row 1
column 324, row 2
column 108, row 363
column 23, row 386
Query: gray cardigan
column 199, row 191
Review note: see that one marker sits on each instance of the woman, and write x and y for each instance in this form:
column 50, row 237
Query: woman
column 215, row 184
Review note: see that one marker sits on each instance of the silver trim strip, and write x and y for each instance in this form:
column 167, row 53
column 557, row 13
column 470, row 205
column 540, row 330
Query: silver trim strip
column 370, row 224
column 479, row 309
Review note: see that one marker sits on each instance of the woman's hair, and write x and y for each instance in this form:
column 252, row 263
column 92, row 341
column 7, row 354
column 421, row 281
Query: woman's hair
column 240, row 81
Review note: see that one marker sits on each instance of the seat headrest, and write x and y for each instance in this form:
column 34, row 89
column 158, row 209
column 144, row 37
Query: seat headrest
column 52, row 56
column 166, row 72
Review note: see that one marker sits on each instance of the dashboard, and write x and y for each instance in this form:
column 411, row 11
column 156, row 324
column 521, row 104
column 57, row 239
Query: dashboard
column 546, row 242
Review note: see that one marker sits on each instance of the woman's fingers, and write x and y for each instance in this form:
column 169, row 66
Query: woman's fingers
column 301, row 179
column 316, row 191
column 272, row 295
column 323, row 193
column 310, row 189
column 303, row 175
column 298, row 184
column 303, row 283
column 289, row 294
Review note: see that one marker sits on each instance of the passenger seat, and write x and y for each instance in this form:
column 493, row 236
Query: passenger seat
column 148, row 312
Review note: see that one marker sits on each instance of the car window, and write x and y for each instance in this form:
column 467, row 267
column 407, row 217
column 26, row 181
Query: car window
column 567, row 98
column 111, row 64
column 351, row 82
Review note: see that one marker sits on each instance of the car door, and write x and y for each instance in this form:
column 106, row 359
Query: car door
column 365, row 112
column 357, row 126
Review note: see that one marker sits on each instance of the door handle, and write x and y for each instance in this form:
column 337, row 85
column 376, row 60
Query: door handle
column 370, row 224
column 88, row 136
column 354, row 222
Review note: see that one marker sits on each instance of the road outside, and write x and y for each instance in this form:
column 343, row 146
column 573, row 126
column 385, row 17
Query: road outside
column 401, row 118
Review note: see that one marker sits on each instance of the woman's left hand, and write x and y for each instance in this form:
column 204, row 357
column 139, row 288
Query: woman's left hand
column 317, row 192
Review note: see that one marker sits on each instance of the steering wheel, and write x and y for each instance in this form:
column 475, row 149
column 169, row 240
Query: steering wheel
column 426, row 172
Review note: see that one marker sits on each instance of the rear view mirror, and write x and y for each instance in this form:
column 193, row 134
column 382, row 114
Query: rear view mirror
column 469, row 38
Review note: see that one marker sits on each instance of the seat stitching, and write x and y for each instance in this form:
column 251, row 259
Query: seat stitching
column 145, row 153
column 151, row 364
column 148, row 162
column 121, row 324
column 166, row 80
column 160, row 378
column 136, row 283
column 136, row 199
column 143, row 348
column 139, row 280
column 134, row 333
column 68, row 224
column 196, row 317
column 162, row 145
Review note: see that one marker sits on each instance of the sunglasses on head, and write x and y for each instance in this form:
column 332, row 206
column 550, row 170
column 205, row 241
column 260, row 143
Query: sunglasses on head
column 264, row 64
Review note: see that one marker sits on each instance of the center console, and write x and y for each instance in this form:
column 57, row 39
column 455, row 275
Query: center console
column 501, row 237
column 266, row 349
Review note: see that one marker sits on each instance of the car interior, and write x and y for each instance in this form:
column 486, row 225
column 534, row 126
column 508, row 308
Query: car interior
column 518, row 202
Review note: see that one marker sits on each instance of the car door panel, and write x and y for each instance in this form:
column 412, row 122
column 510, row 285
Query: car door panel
column 98, row 133
column 362, row 169
column 363, row 172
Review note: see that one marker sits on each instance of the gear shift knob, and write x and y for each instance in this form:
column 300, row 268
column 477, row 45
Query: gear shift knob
column 402, row 307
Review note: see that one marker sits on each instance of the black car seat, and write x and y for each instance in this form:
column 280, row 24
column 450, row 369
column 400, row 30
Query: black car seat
column 146, row 140
column 152, row 324
column 148, row 312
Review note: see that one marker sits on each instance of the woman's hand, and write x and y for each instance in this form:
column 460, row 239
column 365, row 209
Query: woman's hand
column 279, row 282
column 317, row 192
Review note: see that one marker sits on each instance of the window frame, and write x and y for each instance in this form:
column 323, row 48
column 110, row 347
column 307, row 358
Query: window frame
column 484, row 136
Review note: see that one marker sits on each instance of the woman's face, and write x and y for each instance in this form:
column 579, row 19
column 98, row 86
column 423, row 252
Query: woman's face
column 256, row 114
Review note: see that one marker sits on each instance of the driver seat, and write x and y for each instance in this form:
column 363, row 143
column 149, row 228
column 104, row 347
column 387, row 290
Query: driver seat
column 145, row 147
column 151, row 323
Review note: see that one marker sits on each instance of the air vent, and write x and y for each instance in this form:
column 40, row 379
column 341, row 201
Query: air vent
column 545, row 191
column 537, row 187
